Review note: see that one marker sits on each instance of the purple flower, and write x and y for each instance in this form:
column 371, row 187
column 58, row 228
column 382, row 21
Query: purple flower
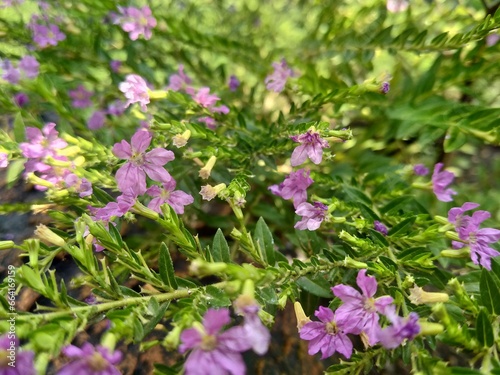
column 214, row 352
column 136, row 21
column 329, row 335
column 359, row 311
column 135, row 89
column 478, row 239
column 82, row 186
column 395, row 6
column 90, row 361
column 257, row 334
column 209, row 122
column 420, row 170
column 177, row 199
column 492, row 39
column 385, row 87
column 312, row 215
column 393, row 336
column 23, row 360
column 47, row 35
column 4, row 160
column 379, row 227
column 42, row 143
column 204, row 98
column 312, row 146
column 21, row 99
column 440, row 182
column 456, row 216
column 119, row 208
column 132, row 175
column 294, row 187
column 10, row 74
column 81, row 97
column 29, row 66
column 277, row 80
column 96, row 120
column 179, row 81
column 234, row 83
column 115, row 65
column 116, row 108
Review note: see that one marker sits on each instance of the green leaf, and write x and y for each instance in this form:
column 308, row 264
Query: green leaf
column 220, row 248
column 166, row 267
column 138, row 330
column 19, row 128
column 156, row 318
column 357, row 195
column 484, row 330
column 454, row 139
column 315, row 286
column 402, row 227
column 396, row 204
column 490, row 292
column 14, row 172
column 265, row 242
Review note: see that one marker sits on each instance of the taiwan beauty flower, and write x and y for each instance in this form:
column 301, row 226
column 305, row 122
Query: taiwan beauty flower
column 81, row 97
column 207, row 100
column 312, row 146
column 361, row 309
column 179, row 81
column 234, row 83
column 257, row 334
column 136, row 21
column 214, row 351
column 328, row 336
column 379, row 227
column 395, row 6
column 15, row 362
column 312, row 215
column 277, row 79
column 176, row 199
column 401, row 329
column 136, row 90
column 294, row 187
column 29, row 66
column 456, row 216
column 49, row 35
column 4, row 160
column 132, row 175
column 420, row 170
column 440, row 182
column 90, row 361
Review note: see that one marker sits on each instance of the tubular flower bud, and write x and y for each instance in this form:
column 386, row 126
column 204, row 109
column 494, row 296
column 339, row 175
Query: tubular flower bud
column 207, row 169
column 302, row 319
column 418, row 296
column 47, row 236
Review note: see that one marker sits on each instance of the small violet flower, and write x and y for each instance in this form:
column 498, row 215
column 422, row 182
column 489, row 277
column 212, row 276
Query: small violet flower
column 328, row 336
column 420, row 170
column 257, row 333
column 21, row 99
column 23, row 360
column 440, row 182
column 400, row 330
column 96, row 120
column 82, row 186
column 359, row 310
column 4, row 160
column 136, row 21
column 90, row 361
column 207, row 100
column 81, row 97
column 44, row 36
column 29, row 67
column 177, row 199
column 276, row 81
column 312, row 215
column 179, row 81
column 456, row 216
column 379, row 227
column 312, row 146
column 213, row 351
column 294, row 187
column 395, row 6
column 119, row 208
column 115, row 65
column 234, row 83
column 136, row 90
column 132, row 175
column 10, row 73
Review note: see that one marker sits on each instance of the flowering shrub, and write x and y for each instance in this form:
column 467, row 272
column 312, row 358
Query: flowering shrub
column 200, row 172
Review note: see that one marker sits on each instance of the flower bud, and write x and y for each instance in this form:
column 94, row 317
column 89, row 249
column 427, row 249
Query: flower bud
column 157, row 94
column 462, row 253
column 172, row 340
column 207, row 169
column 351, row 263
column 6, row 245
column 302, row 319
column 202, row 268
column 418, row 296
column 48, row 237
column 180, row 140
column 430, row 329
column 209, row 192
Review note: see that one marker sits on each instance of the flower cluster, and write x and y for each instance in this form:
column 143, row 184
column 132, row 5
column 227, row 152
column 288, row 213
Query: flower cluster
column 27, row 68
column 477, row 239
column 358, row 314
column 218, row 351
column 136, row 21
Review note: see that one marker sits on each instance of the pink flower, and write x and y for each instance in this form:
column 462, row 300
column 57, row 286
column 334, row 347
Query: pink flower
column 312, row 146
column 312, row 215
column 81, row 97
column 42, row 143
column 132, row 175
column 277, row 80
column 209, row 122
column 294, row 187
column 24, row 359
column 82, row 186
column 213, row 351
column 420, row 170
column 136, row 21
column 179, row 81
column 135, row 89
column 96, row 120
column 401, row 329
column 90, row 361
column 47, row 35
column 10, row 74
column 395, row 6
column 119, row 208
column 359, row 311
column 440, row 182
column 29, row 66
column 4, row 160
column 116, row 108
column 257, row 334
column 328, row 336
column 177, row 199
